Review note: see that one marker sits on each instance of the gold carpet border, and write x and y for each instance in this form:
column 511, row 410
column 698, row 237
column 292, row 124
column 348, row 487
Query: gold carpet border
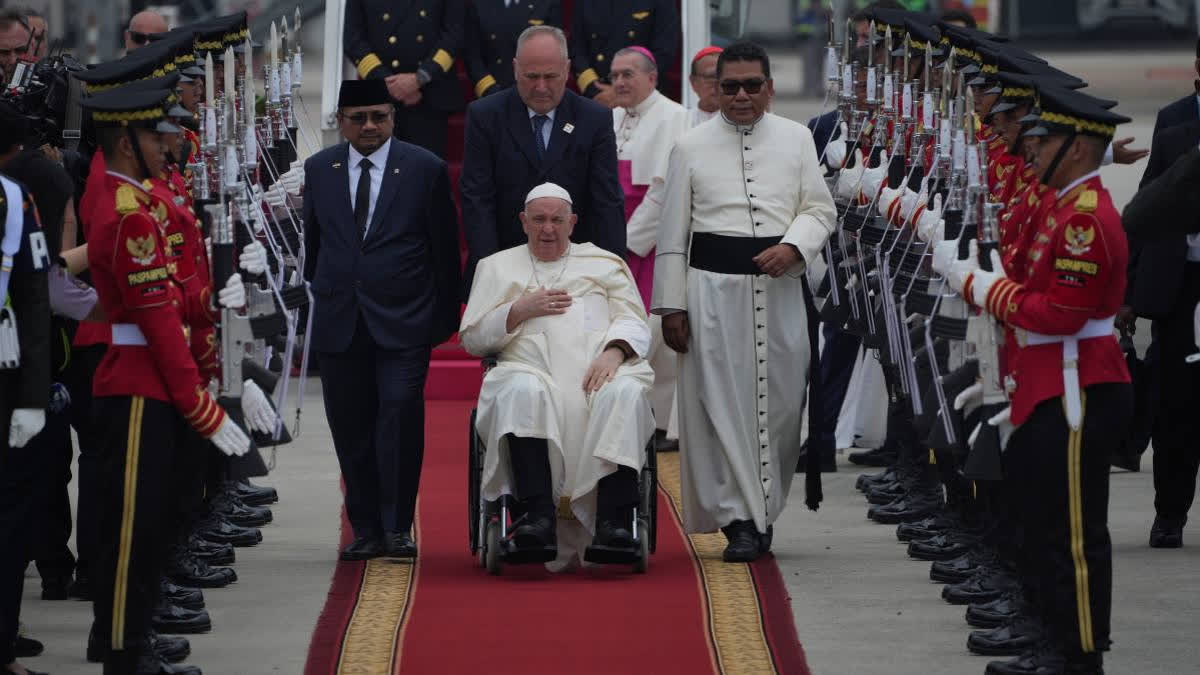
column 734, row 618
column 380, row 616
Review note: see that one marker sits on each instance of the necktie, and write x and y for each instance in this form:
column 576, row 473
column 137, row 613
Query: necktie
column 362, row 196
column 539, row 121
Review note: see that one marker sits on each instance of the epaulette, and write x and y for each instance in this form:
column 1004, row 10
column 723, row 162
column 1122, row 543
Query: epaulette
column 126, row 199
column 1087, row 201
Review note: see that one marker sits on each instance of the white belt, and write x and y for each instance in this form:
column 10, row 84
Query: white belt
column 128, row 335
column 1094, row 328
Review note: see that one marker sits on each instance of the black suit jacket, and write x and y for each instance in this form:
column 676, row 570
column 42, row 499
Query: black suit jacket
column 491, row 34
column 501, row 165
column 385, row 37
column 403, row 277
column 1157, row 263
column 824, row 129
column 1185, row 110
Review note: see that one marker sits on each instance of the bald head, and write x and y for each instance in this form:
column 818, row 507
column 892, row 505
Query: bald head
column 541, row 67
column 142, row 24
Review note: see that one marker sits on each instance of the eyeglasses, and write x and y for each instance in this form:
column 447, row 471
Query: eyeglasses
column 139, row 38
column 752, row 86
column 359, row 119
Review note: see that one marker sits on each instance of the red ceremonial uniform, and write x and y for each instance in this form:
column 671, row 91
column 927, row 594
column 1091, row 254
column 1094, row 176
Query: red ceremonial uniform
column 132, row 276
column 1075, row 272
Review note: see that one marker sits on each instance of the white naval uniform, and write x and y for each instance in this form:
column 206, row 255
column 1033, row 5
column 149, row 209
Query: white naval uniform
column 645, row 135
column 742, row 384
column 536, row 389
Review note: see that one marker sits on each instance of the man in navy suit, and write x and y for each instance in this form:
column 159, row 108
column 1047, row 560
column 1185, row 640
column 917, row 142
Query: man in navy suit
column 574, row 146
column 382, row 257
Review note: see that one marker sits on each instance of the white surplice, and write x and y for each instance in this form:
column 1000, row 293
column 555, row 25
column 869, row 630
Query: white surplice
column 645, row 135
column 742, row 383
column 536, row 388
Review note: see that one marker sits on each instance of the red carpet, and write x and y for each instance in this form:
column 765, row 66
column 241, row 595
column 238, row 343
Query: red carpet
column 689, row 614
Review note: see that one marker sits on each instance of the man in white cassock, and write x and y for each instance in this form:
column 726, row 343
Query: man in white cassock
column 564, row 414
column 646, row 125
column 746, row 211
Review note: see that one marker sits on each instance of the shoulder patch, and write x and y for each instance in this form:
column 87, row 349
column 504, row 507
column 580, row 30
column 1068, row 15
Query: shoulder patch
column 1087, row 201
column 126, row 200
column 141, row 249
column 1079, row 238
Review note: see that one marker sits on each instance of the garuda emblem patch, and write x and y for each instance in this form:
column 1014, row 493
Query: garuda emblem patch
column 141, row 248
column 1079, row 239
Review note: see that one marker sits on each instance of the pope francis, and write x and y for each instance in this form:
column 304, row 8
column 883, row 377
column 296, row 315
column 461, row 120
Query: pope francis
column 564, row 414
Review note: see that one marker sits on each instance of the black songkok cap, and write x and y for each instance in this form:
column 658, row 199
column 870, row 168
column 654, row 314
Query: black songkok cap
column 363, row 92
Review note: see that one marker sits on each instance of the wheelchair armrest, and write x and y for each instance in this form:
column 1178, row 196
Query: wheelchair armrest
column 489, row 362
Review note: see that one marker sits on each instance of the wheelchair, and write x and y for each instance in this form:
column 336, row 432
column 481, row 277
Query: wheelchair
column 488, row 522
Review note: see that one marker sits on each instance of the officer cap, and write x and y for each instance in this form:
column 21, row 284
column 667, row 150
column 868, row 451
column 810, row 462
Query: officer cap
column 154, row 60
column 131, row 107
column 920, row 34
column 1063, row 111
column 168, row 82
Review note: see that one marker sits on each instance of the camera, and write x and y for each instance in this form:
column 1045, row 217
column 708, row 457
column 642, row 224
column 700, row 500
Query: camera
column 47, row 95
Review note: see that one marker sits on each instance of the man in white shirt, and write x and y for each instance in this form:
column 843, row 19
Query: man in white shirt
column 746, row 211
column 564, row 413
column 646, row 124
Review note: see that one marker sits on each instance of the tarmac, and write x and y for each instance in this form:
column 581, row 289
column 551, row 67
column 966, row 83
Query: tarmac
column 861, row 606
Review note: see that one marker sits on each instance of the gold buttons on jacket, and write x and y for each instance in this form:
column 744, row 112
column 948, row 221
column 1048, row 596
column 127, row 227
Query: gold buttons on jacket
column 422, row 13
column 420, row 38
column 386, row 16
column 392, row 40
column 599, row 57
column 395, row 63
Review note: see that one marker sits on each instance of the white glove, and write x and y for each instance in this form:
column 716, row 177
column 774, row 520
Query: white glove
column 276, row 197
column 233, row 296
column 230, row 439
column 26, row 423
column 253, row 258
column 873, row 179
column 945, row 252
column 292, row 180
column 1196, row 325
column 982, row 282
column 909, row 205
column 1003, row 421
column 930, row 226
column 888, row 197
column 848, row 179
column 959, row 270
column 256, row 408
column 971, row 395
column 835, row 149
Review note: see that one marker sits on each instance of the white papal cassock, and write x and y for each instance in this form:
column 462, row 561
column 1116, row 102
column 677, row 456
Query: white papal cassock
column 742, row 383
column 536, row 388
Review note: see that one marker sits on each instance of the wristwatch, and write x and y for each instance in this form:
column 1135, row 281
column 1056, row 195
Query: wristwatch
column 423, row 77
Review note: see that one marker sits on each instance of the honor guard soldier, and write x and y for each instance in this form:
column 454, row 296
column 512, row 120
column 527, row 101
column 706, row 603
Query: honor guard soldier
column 147, row 388
column 599, row 28
column 24, row 392
column 413, row 51
column 1072, row 401
column 490, row 38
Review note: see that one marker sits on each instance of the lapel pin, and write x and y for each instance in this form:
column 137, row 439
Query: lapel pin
column 395, row 171
column 568, row 128
column 337, row 165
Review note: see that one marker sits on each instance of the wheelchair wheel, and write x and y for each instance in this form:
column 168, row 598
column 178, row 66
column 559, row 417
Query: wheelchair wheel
column 491, row 551
column 474, row 476
column 644, row 529
column 650, row 495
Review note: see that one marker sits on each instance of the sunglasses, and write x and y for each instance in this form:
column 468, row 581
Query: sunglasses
column 752, row 86
column 139, row 38
column 361, row 118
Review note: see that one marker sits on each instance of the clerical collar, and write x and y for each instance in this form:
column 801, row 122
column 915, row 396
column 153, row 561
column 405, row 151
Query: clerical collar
column 646, row 104
column 1078, row 181
column 743, row 128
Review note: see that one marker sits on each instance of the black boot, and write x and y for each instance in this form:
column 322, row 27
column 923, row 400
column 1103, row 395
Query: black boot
column 175, row 620
column 184, row 596
column 993, row 613
column 881, row 456
column 1166, row 533
column 209, row 552
column 188, row 570
column 988, row 583
column 961, row 568
column 231, row 507
column 1043, row 660
column 219, row 530
column 943, row 546
column 744, row 542
column 253, row 495
column 168, row 648
column 1015, row 637
column 152, row 664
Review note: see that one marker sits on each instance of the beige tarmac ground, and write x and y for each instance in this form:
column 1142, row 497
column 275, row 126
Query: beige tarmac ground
column 861, row 605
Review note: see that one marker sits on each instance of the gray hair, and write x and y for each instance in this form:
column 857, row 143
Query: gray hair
column 553, row 31
column 648, row 64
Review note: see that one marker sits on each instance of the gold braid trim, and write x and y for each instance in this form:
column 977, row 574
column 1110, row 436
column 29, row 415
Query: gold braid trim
column 443, row 59
column 486, row 82
column 586, row 78
column 1079, row 123
column 1017, row 92
column 368, row 63
column 135, row 116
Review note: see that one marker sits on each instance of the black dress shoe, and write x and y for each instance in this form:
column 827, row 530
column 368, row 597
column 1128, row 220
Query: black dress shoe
column 211, row 553
column 152, row 664
column 188, row 570
column 613, row 544
column 910, row 508
column 613, row 534
column 866, row 480
column 881, row 456
column 176, row 620
column 56, row 588
column 993, row 613
column 1013, row 638
column 1040, row 661
column 534, row 539
column 886, row 493
column 254, row 495
column 942, row 546
column 25, row 647
column 1166, row 533
column 743, row 547
column 961, row 568
column 219, row 530
column 400, row 545
column 987, row 583
column 168, row 648
column 184, row 596
column 228, row 505
column 362, row 548
column 929, row 526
